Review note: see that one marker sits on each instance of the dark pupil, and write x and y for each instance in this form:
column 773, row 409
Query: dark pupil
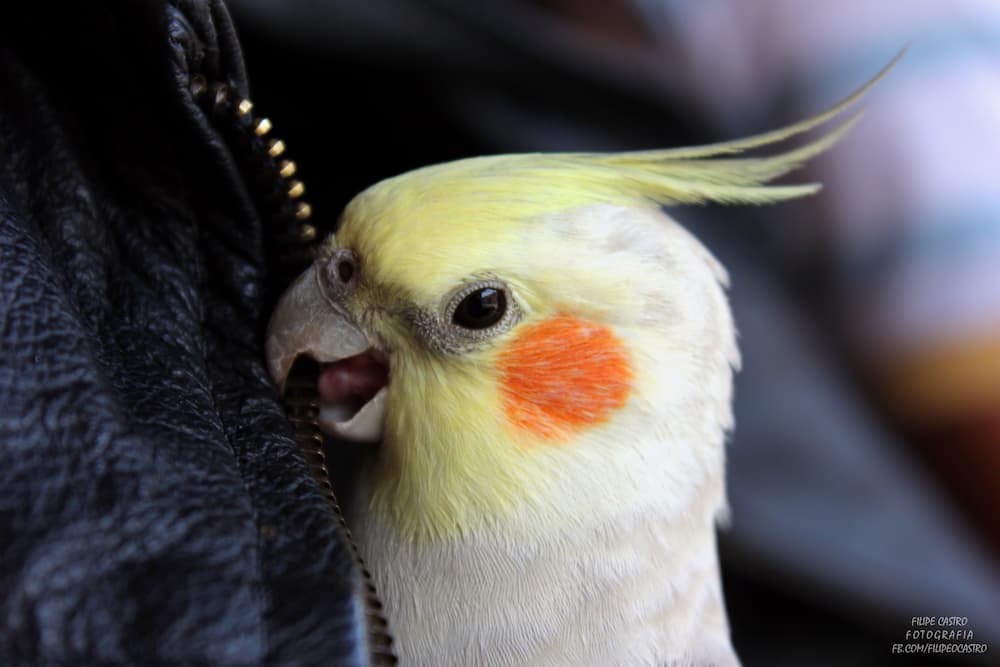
column 481, row 309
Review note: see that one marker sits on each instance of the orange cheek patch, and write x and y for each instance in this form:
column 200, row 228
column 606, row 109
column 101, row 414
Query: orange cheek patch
column 563, row 374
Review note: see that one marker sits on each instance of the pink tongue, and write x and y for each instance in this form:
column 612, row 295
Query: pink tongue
column 353, row 380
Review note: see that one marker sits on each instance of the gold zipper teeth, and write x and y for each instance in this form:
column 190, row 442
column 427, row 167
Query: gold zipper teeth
column 295, row 234
column 296, row 238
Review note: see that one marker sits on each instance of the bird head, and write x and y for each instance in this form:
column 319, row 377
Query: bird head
column 532, row 340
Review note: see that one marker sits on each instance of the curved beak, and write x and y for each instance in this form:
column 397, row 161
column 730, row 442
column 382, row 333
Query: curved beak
column 307, row 323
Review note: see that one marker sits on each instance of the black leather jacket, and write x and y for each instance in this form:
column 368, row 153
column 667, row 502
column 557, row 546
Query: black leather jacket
column 155, row 503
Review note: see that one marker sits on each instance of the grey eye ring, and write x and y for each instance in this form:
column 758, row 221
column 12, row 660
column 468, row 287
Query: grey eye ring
column 472, row 314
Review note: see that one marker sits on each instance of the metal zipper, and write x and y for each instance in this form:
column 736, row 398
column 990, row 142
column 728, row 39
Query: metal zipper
column 278, row 196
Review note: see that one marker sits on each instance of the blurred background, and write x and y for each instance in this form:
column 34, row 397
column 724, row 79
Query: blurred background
column 864, row 472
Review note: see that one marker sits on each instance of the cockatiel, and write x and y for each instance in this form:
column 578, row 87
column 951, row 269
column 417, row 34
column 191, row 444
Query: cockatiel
column 546, row 358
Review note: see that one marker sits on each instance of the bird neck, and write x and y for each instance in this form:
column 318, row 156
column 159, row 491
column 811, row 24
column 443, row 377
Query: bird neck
column 625, row 590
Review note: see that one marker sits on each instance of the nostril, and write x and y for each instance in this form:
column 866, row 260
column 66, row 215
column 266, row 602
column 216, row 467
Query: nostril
column 339, row 273
column 345, row 269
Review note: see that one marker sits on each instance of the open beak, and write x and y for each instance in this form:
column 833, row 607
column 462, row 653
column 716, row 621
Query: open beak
column 353, row 371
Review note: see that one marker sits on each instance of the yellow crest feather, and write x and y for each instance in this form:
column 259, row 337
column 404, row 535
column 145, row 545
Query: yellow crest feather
column 696, row 175
column 503, row 190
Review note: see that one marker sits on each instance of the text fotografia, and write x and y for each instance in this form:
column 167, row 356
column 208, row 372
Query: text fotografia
column 939, row 634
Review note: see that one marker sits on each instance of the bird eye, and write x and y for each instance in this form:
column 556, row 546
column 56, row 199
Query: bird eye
column 480, row 309
column 474, row 313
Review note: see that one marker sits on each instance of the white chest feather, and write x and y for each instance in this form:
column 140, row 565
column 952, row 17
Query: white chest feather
column 641, row 591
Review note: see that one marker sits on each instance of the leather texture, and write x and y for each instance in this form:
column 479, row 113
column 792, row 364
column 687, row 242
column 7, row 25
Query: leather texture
column 154, row 505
